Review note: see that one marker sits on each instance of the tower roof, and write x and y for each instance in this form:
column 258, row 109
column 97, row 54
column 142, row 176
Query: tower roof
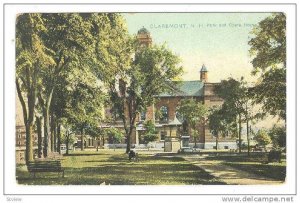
column 143, row 31
column 203, row 69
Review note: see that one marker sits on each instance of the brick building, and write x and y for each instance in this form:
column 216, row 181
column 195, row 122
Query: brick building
column 168, row 126
column 201, row 90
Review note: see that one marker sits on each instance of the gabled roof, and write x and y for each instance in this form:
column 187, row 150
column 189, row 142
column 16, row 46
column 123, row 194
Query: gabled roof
column 186, row 88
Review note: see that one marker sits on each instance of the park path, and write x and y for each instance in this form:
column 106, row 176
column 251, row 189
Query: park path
column 228, row 174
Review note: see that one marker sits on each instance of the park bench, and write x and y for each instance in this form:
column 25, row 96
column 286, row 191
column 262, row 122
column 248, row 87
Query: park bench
column 45, row 166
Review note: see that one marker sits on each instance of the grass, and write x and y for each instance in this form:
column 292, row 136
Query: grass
column 255, row 164
column 113, row 167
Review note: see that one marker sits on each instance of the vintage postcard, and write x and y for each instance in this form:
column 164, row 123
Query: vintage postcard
column 158, row 99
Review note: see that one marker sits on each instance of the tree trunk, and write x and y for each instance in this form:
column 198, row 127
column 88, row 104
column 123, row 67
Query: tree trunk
column 58, row 138
column 240, row 134
column 55, row 137
column 46, row 108
column 46, row 132
column 128, row 146
column 217, row 141
column 67, row 145
column 132, row 122
column 67, row 142
column 52, row 130
column 55, row 140
column 82, row 139
column 98, row 142
column 130, row 133
column 39, row 132
column 28, row 116
column 29, row 143
column 248, row 138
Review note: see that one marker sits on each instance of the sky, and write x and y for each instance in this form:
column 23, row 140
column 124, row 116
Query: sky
column 218, row 40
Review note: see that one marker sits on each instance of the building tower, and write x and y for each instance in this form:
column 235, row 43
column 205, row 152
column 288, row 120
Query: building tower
column 203, row 74
column 144, row 37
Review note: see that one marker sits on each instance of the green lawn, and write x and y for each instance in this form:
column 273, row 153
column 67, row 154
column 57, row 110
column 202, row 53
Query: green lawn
column 255, row 164
column 113, row 167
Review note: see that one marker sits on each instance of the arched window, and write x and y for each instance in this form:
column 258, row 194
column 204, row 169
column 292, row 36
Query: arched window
column 164, row 114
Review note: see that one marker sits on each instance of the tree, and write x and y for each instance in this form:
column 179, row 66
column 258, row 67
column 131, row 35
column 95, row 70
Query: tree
column 115, row 134
column 221, row 122
column 150, row 73
column 96, row 132
column 68, row 137
column 278, row 136
column 268, row 48
column 112, row 51
column 60, row 100
column 69, row 41
column 150, row 132
column 263, row 138
column 216, row 123
column 47, row 45
column 50, row 47
column 31, row 56
column 270, row 91
column 234, row 94
column 85, row 107
column 250, row 115
column 39, row 133
column 79, row 41
column 192, row 112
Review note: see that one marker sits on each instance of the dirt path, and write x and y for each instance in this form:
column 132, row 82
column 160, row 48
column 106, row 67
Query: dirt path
column 228, row 174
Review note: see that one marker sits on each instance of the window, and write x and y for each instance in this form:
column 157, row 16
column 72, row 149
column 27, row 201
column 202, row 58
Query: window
column 164, row 114
column 163, row 134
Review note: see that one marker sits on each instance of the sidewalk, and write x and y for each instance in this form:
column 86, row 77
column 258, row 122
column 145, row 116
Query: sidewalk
column 229, row 175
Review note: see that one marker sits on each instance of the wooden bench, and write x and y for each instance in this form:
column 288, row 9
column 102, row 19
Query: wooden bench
column 45, row 166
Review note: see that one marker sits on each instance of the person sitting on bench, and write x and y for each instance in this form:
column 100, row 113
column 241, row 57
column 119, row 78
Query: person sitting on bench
column 133, row 155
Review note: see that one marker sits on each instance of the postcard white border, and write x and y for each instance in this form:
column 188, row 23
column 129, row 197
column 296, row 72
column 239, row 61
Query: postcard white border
column 11, row 187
